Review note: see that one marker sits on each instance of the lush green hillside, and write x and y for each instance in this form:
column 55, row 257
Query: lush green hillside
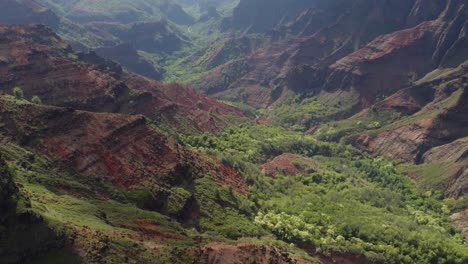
column 342, row 202
column 341, row 136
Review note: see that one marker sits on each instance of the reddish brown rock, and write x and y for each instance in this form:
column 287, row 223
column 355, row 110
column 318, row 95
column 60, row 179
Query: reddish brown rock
column 121, row 149
column 287, row 164
column 460, row 219
column 38, row 61
column 219, row 253
column 432, row 129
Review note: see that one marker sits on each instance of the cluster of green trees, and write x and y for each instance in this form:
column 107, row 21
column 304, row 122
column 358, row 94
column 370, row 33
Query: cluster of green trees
column 348, row 202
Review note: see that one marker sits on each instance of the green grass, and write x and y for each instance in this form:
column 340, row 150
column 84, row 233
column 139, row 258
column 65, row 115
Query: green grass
column 427, row 112
column 430, row 177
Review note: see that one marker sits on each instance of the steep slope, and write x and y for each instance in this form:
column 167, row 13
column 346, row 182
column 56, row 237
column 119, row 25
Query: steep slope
column 320, row 36
column 127, row 56
column 144, row 46
column 24, row 12
column 38, row 61
column 243, row 253
column 261, row 15
column 409, row 54
column 420, row 124
column 113, row 167
column 27, row 11
column 139, row 46
column 346, row 49
column 17, row 222
column 154, row 37
column 119, row 10
column 119, row 171
column 121, row 149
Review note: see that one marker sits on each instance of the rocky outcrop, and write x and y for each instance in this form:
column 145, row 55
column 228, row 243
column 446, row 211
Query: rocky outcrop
column 456, row 153
column 460, row 219
column 404, row 143
column 425, row 11
column 217, row 253
column 386, row 64
column 289, row 165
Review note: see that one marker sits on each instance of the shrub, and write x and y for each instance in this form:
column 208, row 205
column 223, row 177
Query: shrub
column 18, row 93
column 36, row 100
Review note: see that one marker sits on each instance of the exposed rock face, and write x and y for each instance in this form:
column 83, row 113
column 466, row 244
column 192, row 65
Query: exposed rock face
column 341, row 45
column 433, row 130
column 461, row 221
column 456, row 153
column 393, row 61
column 326, row 33
column 424, row 11
column 217, row 253
column 246, row 14
column 38, row 61
column 288, row 164
column 403, row 143
column 122, row 149
column 26, row 11
column 386, row 64
column 431, row 127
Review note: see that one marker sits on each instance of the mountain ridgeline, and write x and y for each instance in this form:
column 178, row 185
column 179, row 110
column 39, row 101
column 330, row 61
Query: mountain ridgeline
column 234, row 131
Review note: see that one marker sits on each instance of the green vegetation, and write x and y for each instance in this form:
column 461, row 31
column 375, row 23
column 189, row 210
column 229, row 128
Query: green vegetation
column 36, row 100
column 348, row 203
column 302, row 112
column 430, row 177
column 344, row 202
column 110, row 223
column 18, row 93
column 225, row 212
